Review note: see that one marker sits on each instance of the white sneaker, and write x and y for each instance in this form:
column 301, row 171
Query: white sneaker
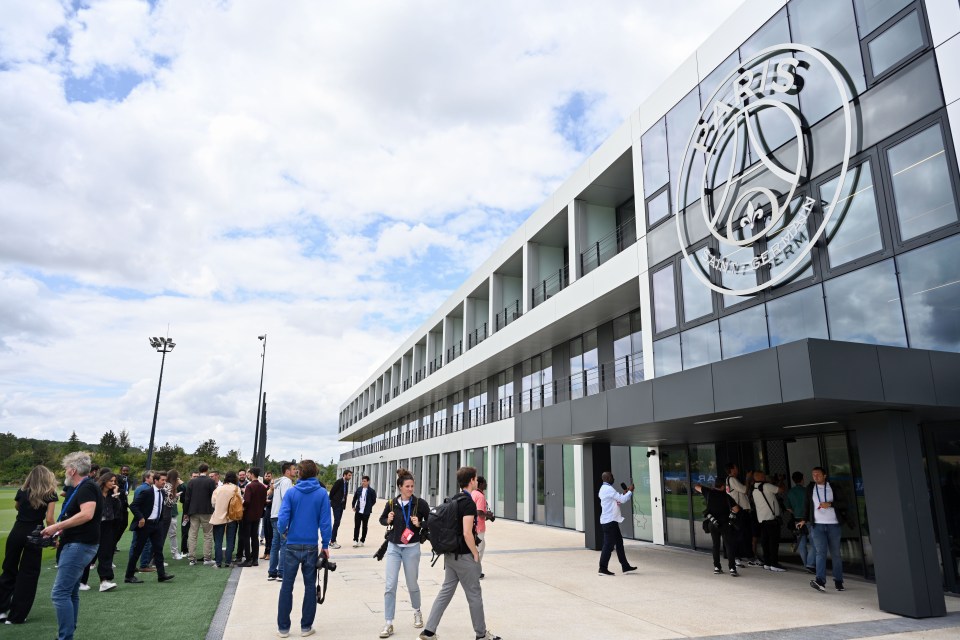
column 207, row 563
column 334, row 545
column 84, row 587
column 387, row 631
column 361, row 543
column 356, row 544
column 777, row 569
column 417, row 620
column 308, row 632
column 283, row 634
column 114, row 566
column 166, row 564
column 106, row 585
column 489, row 636
column 3, row 616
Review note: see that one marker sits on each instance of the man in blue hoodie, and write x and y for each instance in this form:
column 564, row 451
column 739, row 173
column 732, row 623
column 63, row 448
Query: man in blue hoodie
column 305, row 510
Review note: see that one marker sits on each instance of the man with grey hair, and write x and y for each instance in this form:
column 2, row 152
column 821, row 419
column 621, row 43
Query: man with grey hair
column 79, row 529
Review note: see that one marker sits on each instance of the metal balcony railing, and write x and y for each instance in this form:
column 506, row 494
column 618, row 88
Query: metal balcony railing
column 608, row 246
column 551, row 286
column 508, row 315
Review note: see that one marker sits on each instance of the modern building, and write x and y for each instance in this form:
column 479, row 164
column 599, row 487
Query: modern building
column 761, row 265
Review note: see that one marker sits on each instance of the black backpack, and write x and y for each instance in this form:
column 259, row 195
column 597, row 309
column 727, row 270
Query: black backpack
column 446, row 529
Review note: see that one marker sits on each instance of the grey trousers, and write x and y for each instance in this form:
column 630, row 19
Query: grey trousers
column 464, row 571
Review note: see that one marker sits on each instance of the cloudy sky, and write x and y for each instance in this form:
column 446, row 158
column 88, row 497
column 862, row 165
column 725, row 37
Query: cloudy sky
column 323, row 172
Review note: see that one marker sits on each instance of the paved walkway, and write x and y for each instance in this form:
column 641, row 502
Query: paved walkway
column 541, row 583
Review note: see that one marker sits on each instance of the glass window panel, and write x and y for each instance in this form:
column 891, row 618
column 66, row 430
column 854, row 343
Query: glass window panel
column 697, row 297
column 854, row 228
column 710, row 84
column 681, row 121
column 742, row 280
column 895, row 44
column 797, row 316
column 569, row 489
column 664, row 299
column 653, row 147
column 864, row 306
column 832, row 28
column 703, row 470
column 930, row 282
column 907, row 96
column 784, row 260
column 775, row 31
column 744, row 332
column 666, row 356
column 700, row 345
column 521, row 483
column 922, row 192
column 873, row 13
column 642, row 499
column 658, row 208
column 621, row 337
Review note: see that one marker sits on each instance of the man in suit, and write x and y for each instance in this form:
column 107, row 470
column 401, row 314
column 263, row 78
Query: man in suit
column 147, row 507
column 123, row 486
column 338, row 500
column 363, row 501
column 254, row 501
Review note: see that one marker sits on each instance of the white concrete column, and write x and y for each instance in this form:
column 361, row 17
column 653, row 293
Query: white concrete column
column 656, row 492
column 578, row 485
column 496, row 300
column 531, row 271
column 491, row 472
column 528, row 505
column 469, row 306
column 575, row 237
column 448, row 337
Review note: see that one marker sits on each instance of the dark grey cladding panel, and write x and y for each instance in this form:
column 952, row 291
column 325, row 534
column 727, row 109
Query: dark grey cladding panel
column 630, row 405
column 530, row 426
column 556, row 420
column 846, row 370
column 752, row 380
column 684, row 394
column 907, row 377
column 589, row 414
column 946, row 377
column 796, row 379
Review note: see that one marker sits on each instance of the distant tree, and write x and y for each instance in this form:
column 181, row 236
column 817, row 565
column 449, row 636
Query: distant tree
column 208, row 451
column 123, row 440
column 165, row 457
column 73, row 442
column 108, row 445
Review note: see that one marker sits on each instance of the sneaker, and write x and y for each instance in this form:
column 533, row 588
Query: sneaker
column 307, row 632
column 754, row 563
column 271, row 578
column 3, row 616
column 283, row 634
column 778, row 569
column 356, row 544
column 811, row 570
column 489, row 636
column 816, row 585
column 208, row 563
column 166, row 564
column 739, row 562
column 106, row 585
column 605, row 572
column 387, row 631
column 334, row 545
column 361, row 543
column 734, row 573
column 417, row 620
column 423, row 636
column 628, row 569
column 481, row 576
column 838, row 586
column 56, row 566
column 193, row 562
column 113, row 566
column 177, row 555
column 84, row 587
column 717, row 571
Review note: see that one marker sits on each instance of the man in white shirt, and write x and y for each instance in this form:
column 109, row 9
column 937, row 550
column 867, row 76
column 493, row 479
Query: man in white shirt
column 288, row 471
column 825, row 510
column 768, row 514
column 610, row 519
column 363, row 502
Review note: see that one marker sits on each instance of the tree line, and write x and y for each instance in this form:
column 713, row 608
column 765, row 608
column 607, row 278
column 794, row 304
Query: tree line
column 19, row 455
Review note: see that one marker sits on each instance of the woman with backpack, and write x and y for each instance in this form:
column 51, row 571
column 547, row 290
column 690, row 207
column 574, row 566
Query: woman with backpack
column 404, row 516
column 222, row 520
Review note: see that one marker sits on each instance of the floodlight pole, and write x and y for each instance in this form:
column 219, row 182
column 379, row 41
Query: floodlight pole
column 164, row 346
column 256, row 434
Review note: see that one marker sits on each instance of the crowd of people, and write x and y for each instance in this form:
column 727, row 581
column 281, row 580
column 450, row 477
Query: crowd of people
column 292, row 515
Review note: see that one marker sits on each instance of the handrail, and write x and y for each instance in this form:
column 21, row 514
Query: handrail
column 551, row 286
column 477, row 336
column 510, row 313
column 608, row 246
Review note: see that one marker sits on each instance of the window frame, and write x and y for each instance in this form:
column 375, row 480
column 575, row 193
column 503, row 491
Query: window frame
column 869, row 76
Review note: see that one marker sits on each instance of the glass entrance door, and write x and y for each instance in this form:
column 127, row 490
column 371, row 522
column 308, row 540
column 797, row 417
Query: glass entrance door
column 675, row 480
column 942, row 444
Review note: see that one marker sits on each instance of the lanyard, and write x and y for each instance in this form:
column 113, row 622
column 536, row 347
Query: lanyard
column 825, row 495
column 407, row 512
column 66, row 504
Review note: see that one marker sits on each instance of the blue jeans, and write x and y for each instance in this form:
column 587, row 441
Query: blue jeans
column 409, row 557
column 827, row 536
column 303, row 558
column 277, row 546
column 230, row 529
column 808, row 553
column 74, row 558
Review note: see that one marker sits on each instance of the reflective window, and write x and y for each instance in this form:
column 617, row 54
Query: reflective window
column 666, row 356
column 712, row 82
column 697, row 298
column 797, row 316
column 664, row 299
column 921, row 183
column 658, row 208
column 832, row 28
column 785, row 259
column 681, row 121
column 864, row 306
column 734, row 280
column 930, row 283
column 895, row 44
column 775, row 31
column 653, row 148
column 854, row 228
column 744, row 332
column 700, row 345
column 873, row 13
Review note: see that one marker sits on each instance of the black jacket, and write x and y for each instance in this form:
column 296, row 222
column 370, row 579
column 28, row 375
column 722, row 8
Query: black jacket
column 338, row 494
column 142, row 507
column 839, row 504
column 196, row 497
column 371, row 500
column 423, row 512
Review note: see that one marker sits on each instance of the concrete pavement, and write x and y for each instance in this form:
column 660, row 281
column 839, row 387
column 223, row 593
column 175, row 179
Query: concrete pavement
column 541, row 583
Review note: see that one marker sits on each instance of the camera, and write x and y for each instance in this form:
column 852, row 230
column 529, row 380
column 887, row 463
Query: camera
column 35, row 539
column 326, row 563
column 489, row 516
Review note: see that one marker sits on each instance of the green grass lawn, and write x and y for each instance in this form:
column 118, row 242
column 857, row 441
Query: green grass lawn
column 182, row 608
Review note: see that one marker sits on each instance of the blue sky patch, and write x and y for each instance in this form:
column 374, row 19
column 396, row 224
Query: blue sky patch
column 572, row 122
column 105, row 83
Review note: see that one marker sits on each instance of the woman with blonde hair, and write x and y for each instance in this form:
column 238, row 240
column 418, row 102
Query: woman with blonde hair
column 21, row 566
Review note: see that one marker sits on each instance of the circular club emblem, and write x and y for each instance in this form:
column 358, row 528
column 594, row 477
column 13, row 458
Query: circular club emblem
column 747, row 193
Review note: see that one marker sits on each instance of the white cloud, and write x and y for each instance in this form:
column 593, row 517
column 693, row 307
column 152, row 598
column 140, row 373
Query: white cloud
column 274, row 175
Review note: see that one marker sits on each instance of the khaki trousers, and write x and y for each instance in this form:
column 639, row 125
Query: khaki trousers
column 198, row 521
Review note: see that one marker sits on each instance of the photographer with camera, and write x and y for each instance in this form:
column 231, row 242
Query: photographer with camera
column 720, row 519
column 34, row 502
column 610, row 519
column 79, row 529
column 305, row 510
column 404, row 516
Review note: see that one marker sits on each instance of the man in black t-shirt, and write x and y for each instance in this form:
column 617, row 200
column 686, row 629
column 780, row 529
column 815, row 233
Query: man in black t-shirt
column 462, row 567
column 79, row 529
